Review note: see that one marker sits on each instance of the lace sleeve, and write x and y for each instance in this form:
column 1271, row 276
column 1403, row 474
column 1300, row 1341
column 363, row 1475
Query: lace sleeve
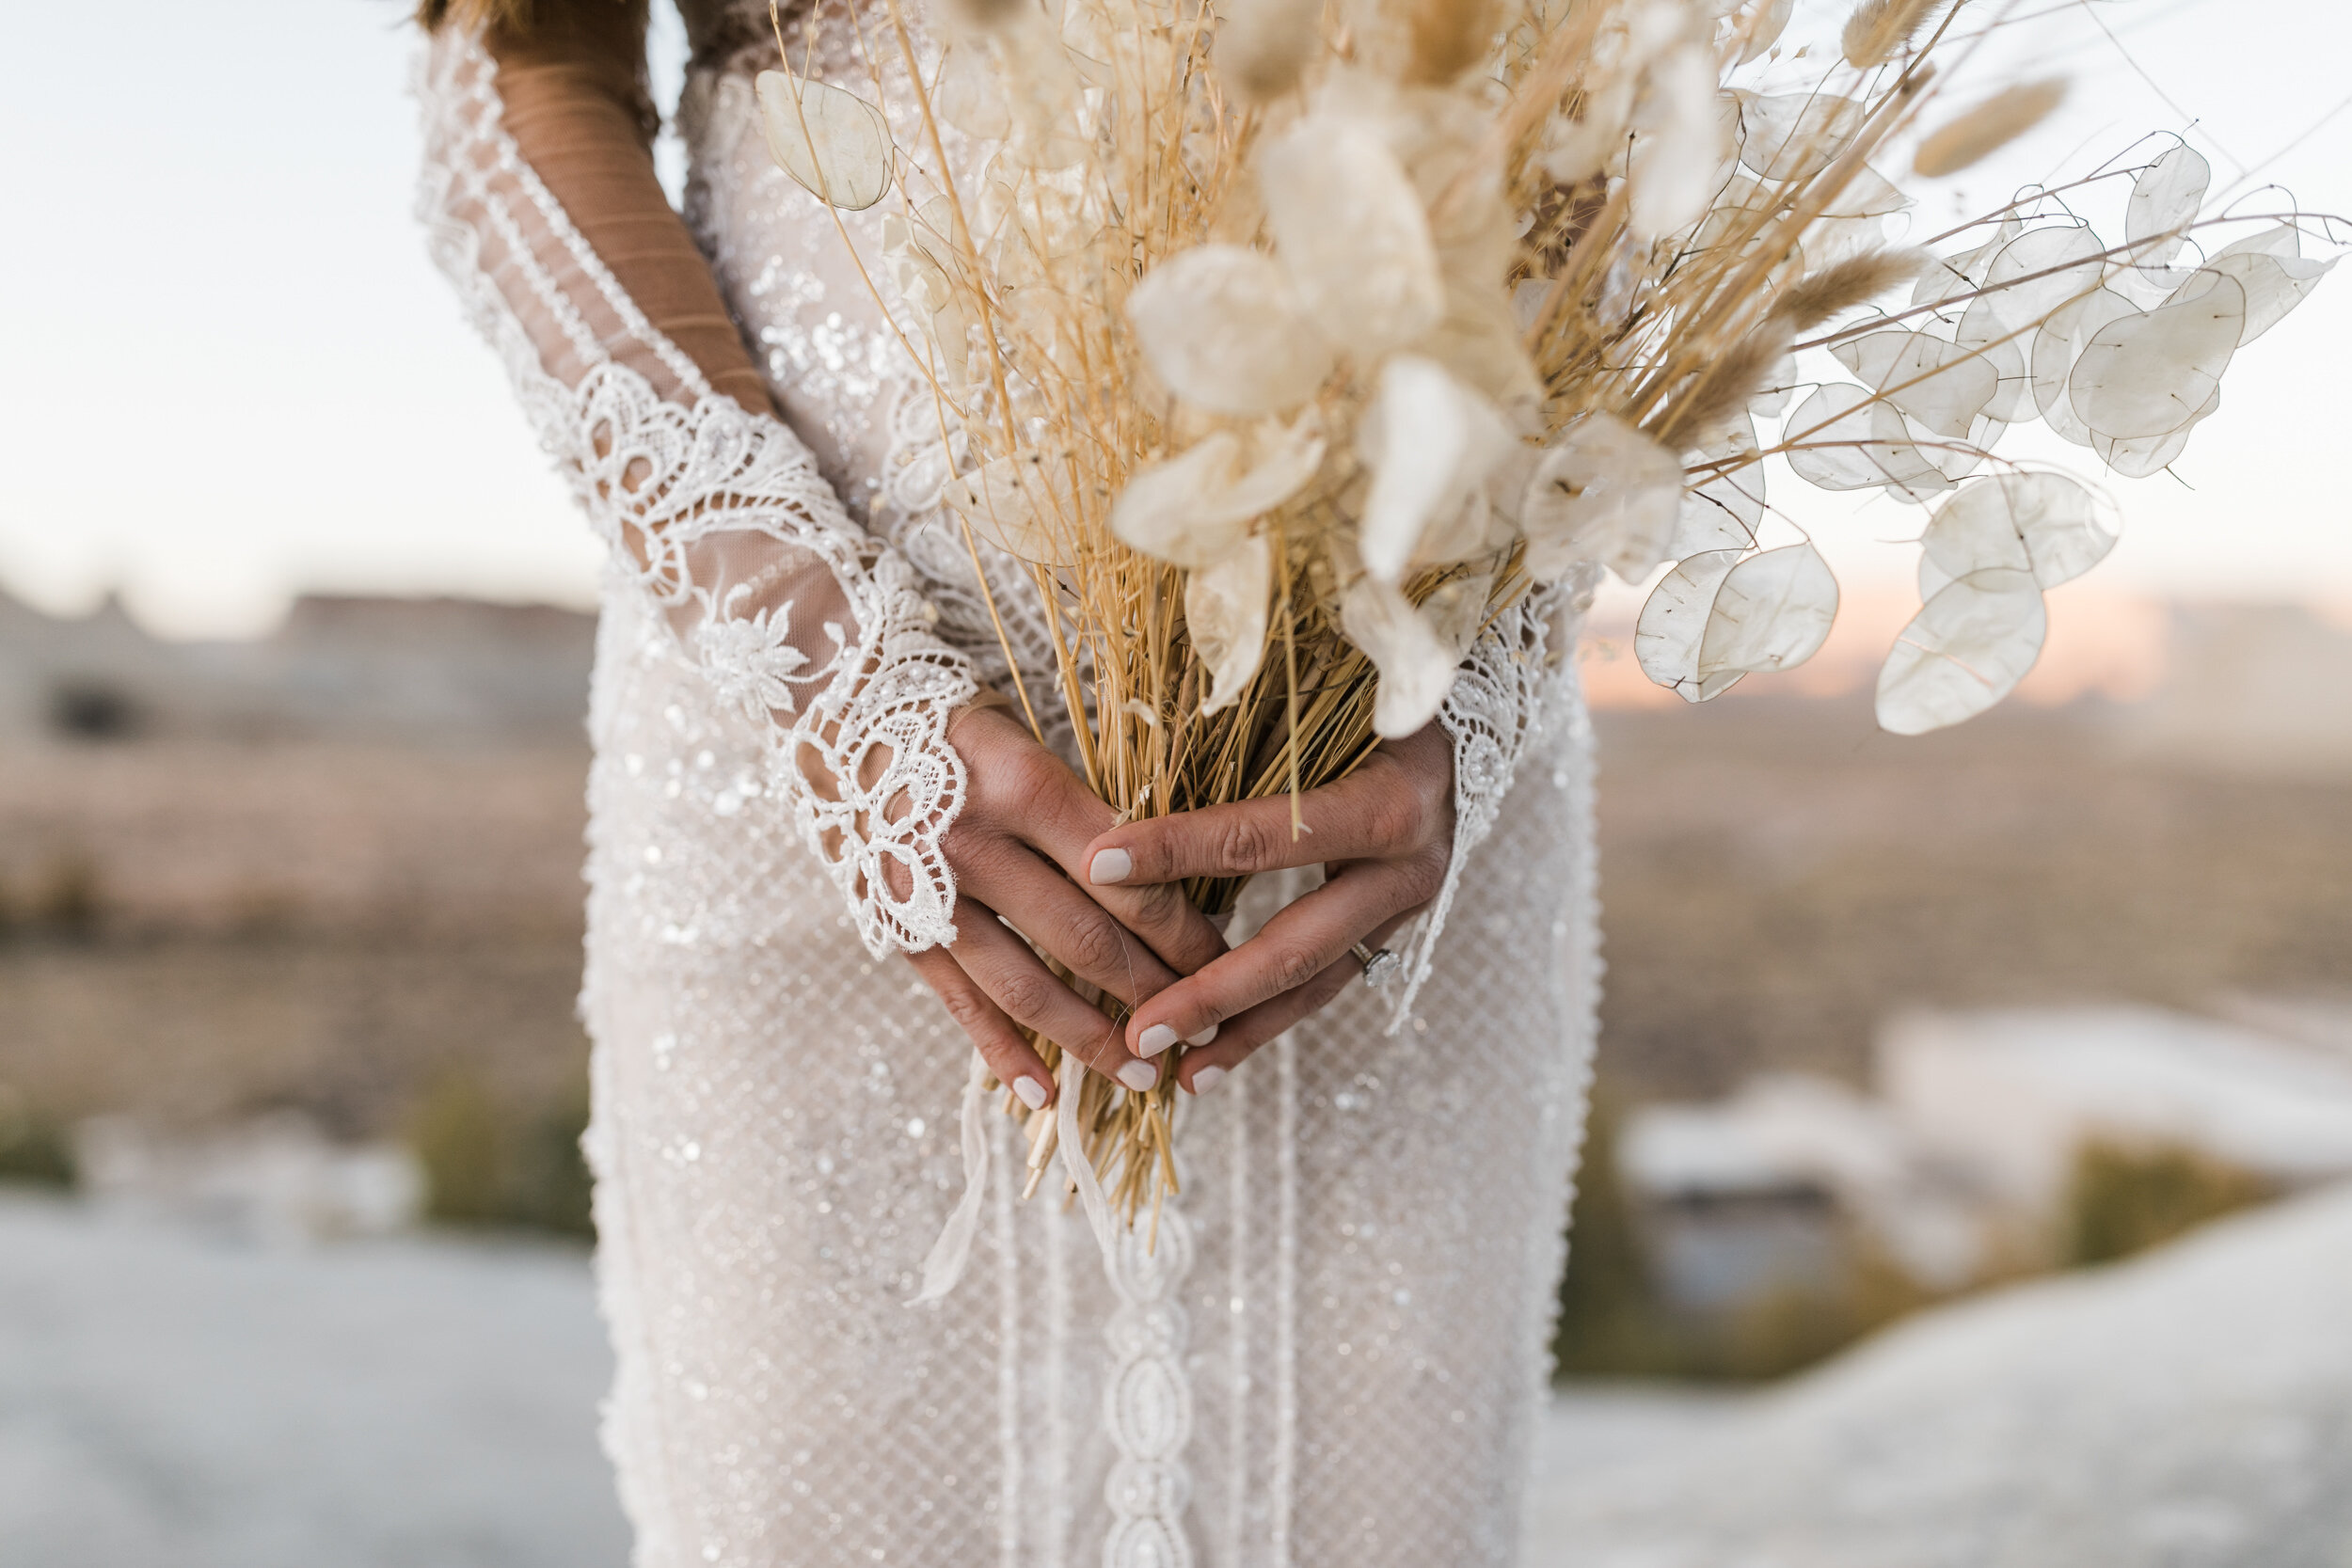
column 795, row 612
column 1500, row 701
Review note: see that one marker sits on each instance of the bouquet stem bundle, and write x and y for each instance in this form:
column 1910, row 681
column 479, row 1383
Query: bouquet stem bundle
column 1290, row 347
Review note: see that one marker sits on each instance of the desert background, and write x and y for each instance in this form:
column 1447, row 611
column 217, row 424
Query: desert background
column 1970, row 1176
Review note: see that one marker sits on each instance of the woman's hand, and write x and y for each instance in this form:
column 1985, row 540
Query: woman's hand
column 1385, row 835
column 1020, row 839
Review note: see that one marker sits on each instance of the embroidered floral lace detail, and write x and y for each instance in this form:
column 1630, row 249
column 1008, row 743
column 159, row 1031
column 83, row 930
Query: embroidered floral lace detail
column 1494, row 714
column 719, row 515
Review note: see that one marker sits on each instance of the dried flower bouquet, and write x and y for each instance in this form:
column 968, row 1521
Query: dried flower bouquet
column 1293, row 342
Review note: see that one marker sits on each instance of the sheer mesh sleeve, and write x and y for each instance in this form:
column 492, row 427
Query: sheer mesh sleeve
column 795, row 613
column 1502, row 699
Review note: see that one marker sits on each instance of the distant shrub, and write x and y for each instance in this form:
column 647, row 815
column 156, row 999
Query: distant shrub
column 456, row 1137
column 549, row 1185
column 1616, row 1323
column 2127, row 1198
column 34, row 1148
column 490, row 1164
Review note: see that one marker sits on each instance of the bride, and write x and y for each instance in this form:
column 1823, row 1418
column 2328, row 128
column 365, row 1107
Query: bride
column 816, row 816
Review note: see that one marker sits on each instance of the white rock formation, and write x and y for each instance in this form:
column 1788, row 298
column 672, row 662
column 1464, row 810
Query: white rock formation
column 2190, row 1409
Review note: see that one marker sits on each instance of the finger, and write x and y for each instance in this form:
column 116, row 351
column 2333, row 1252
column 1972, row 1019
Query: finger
column 1022, row 789
column 1200, row 1069
column 1375, row 812
column 1032, row 994
column 999, row 1044
column 1062, row 821
column 1241, row 1037
column 1294, row 947
column 1046, row 907
column 1182, row 936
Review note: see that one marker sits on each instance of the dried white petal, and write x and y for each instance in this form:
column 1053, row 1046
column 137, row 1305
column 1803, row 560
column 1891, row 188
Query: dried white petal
column 1715, row 515
column 2057, row 347
column 1845, row 439
column 1722, row 510
column 1773, row 611
column 1282, row 459
column 1941, row 385
column 970, row 95
column 2149, row 372
column 1603, row 492
column 2005, row 353
column 1965, row 650
column 1933, row 578
column 2035, row 274
column 2143, row 455
column 1349, row 227
column 1946, row 277
column 1431, row 442
column 828, row 139
column 1957, row 460
column 1794, row 136
column 1677, row 145
column 2045, row 524
column 1867, row 194
column 1023, row 504
column 2280, row 239
column 1224, row 610
column 1456, row 609
column 1416, row 663
column 2274, row 285
column 922, row 285
column 1577, row 150
column 1161, row 512
column 2164, row 202
column 1193, row 508
column 1765, row 22
column 1674, row 619
column 1222, row 328
column 1044, row 85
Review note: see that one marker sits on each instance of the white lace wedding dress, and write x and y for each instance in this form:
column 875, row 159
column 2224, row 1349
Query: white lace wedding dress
column 1335, row 1354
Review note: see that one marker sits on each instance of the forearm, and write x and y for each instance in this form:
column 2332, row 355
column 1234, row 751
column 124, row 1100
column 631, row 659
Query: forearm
column 800, row 618
column 578, row 111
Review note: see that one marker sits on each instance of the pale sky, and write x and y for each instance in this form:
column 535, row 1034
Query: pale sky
column 231, row 375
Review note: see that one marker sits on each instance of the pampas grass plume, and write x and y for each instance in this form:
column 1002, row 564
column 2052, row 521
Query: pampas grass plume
column 1448, row 37
column 1816, row 297
column 983, row 15
column 1724, row 387
column 1987, row 128
column 1879, row 29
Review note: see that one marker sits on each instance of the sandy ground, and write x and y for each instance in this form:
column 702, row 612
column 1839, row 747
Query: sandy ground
column 173, row 1401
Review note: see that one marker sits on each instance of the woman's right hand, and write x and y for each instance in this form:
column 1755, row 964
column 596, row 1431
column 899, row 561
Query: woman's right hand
column 1016, row 850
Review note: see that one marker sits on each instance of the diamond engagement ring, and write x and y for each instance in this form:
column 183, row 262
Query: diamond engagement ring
column 1379, row 966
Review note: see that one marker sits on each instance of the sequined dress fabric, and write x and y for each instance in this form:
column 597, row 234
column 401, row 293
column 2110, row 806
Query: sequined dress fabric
column 1335, row 1352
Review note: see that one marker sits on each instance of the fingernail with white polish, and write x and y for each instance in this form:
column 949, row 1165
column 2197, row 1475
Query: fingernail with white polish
column 1203, row 1038
column 1206, row 1079
column 1032, row 1093
column 1110, row 865
column 1138, row 1076
column 1155, row 1039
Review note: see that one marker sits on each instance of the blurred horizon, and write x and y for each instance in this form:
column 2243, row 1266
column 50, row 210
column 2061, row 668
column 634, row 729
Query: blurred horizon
column 237, row 378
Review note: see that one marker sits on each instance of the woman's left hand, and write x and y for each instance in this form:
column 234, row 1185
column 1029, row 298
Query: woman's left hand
column 1384, row 835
